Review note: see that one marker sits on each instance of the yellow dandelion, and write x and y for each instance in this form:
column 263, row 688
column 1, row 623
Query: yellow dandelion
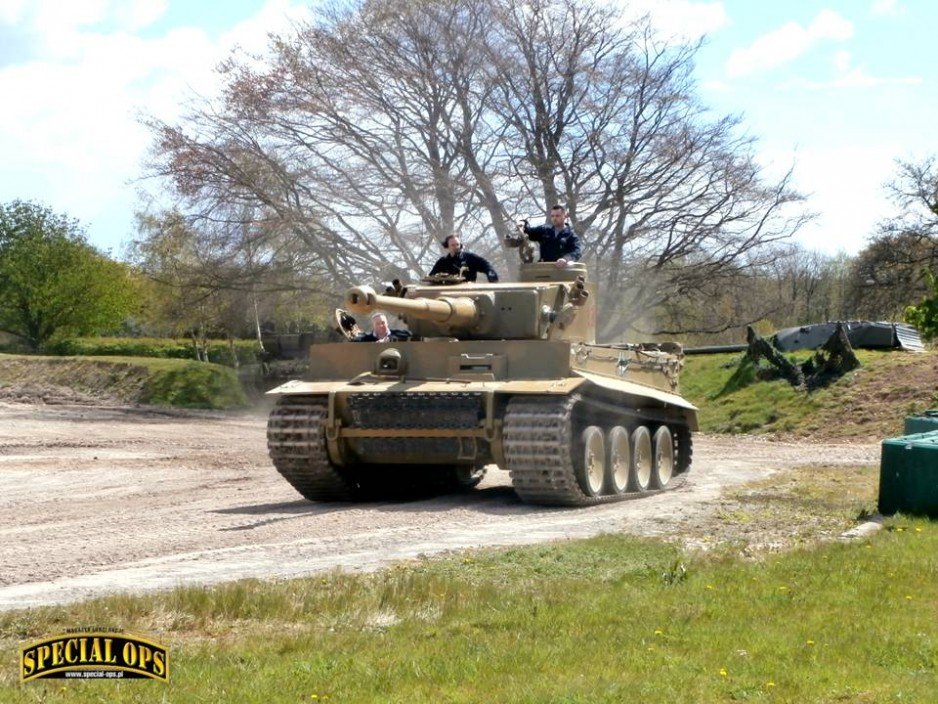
column 709, row 586
column 769, row 685
column 314, row 696
column 658, row 631
column 868, row 546
column 783, row 588
column 900, row 529
column 723, row 672
column 918, row 530
column 810, row 642
column 909, row 597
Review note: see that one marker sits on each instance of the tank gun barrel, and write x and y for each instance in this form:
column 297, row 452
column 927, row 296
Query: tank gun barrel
column 456, row 310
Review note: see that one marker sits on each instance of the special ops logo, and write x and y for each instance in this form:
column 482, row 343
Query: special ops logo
column 94, row 654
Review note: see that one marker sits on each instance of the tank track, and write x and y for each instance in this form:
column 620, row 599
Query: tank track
column 538, row 437
column 296, row 441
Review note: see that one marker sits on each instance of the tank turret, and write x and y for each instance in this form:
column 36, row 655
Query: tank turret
column 550, row 304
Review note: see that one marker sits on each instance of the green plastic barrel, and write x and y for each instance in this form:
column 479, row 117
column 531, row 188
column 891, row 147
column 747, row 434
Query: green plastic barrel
column 908, row 475
column 923, row 423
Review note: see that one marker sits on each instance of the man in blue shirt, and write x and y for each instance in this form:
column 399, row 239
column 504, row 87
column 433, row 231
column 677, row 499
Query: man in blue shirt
column 460, row 262
column 558, row 242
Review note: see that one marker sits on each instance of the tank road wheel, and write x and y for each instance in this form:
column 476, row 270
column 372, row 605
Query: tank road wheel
column 642, row 459
column 591, row 469
column 618, row 461
column 664, row 458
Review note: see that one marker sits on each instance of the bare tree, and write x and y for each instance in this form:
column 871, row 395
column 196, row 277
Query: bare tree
column 382, row 126
column 605, row 121
column 346, row 137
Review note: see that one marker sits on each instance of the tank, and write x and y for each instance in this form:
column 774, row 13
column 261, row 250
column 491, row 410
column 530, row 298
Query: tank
column 495, row 375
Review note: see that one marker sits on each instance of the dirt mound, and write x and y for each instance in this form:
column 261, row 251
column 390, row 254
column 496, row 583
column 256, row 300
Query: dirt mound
column 878, row 396
column 120, row 380
column 52, row 394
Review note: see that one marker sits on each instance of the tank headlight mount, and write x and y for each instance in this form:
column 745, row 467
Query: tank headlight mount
column 390, row 362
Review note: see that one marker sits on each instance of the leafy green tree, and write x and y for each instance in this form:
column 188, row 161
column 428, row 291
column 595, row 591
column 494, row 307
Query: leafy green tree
column 891, row 273
column 924, row 316
column 52, row 282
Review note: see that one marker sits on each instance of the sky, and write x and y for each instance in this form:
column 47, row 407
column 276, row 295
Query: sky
column 836, row 90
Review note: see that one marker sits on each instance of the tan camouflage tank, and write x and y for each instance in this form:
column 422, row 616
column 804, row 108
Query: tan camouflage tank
column 504, row 374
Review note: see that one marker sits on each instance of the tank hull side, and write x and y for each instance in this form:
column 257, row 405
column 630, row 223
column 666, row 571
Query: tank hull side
column 433, row 422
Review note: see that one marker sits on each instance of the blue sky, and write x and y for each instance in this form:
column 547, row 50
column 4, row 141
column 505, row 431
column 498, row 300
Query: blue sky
column 838, row 89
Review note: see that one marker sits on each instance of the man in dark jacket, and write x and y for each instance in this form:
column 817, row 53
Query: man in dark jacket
column 558, row 242
column 459, row 261
column 381, row 331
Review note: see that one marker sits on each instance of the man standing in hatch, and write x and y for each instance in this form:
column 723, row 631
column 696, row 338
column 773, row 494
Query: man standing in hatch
column 460, row 262
column 558, row 242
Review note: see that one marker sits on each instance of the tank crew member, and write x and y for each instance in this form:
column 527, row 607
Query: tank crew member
column 558, row 242
column 381, row 332
column 459, row 261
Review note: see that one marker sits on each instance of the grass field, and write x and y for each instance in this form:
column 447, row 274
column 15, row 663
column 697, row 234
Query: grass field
column 609, row 619
column 868, row 403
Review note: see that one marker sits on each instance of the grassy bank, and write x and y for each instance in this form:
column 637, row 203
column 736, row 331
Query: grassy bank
column 869, row 403
column 610, row 619
column 164, row 382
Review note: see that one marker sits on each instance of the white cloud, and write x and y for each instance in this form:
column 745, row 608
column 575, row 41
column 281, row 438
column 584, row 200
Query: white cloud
column 139, row 13
column 684, row 20
column 787, row 43
column 841, row 61
column 52, row 16
column 847, row 76
column 276, row 16
column 11, row 10
column 72, row 138
column 888, row 8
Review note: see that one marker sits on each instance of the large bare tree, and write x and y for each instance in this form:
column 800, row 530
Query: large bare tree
column 379, row 127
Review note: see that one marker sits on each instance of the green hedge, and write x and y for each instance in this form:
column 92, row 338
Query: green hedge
column 194, row 385
column 219, row 351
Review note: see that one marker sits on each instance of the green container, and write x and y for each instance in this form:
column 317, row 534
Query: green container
column 924, row 423
column 908, row 475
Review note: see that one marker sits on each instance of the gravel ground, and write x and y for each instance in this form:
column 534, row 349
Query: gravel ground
column 97, row 500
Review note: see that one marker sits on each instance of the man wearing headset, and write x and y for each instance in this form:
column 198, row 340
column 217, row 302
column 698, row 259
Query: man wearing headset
column 460, row 262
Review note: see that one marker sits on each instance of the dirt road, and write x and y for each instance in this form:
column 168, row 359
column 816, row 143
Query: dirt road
column 95, row 500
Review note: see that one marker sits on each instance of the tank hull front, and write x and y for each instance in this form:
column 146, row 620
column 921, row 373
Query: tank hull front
column 455, row 407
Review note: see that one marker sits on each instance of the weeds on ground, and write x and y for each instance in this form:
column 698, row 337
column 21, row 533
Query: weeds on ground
column 601, row 620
